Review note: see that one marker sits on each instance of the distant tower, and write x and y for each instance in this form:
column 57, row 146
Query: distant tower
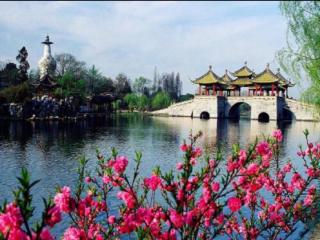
column 47, row 64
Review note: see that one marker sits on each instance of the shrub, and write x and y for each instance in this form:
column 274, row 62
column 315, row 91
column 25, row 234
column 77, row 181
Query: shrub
column 224, row 197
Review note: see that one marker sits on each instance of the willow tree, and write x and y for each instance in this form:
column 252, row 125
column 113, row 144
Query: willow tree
column 301, row 58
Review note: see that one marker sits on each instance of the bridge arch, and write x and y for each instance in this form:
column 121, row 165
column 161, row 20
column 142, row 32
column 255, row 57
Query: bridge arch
column 238, row 109
column 204, row 115
column 263, row 117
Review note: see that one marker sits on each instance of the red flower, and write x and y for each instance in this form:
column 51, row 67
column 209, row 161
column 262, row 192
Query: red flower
column 234, row 204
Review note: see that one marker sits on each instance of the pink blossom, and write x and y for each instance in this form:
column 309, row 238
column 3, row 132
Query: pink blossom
column 111, row 219
column 287, row 168
column 176, row 218
column 197, row 152
column 263, row 148
column 179, row 166
column 277, row 134
column 153, row 182
column 215, row 186
column 63, row 200
column 242, row 156
column 87, row 179
column 128, row 199
column 73, row 233
column 212, row 163
column 106, row 179
column 120, row 164
column 193, row 161
column 10, row 219
column 252, row 169
column 54, row 216
column 234, row 204
column 184, row 147
column 46, row 235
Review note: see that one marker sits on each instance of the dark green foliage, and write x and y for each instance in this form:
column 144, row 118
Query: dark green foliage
column 185, row 97
column 17, row 94
column 9, row 75
column 122, row 85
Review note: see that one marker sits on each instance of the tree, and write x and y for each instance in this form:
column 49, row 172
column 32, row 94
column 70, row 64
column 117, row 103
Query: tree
column 93, row 79
column 141, row 85
column 23, row 64
column 131, row 100
column 104, row 84
column 9, row 75
column 302, row 57
column 122, row 85
column 143, row 103
column 68, row 63
column 71, row 86
column 160, row 100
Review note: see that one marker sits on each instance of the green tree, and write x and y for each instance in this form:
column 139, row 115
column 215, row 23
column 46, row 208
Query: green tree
column 301, row 57
column 160, row 100
column 93, row 79
column 143, row 103
column 71, row 86
column 131, row 99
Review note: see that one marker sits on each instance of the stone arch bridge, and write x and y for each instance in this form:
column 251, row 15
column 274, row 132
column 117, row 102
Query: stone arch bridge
column 263, row 108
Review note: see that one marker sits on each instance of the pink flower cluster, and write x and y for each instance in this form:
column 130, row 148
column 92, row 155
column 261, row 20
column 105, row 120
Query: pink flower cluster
column 216, row 198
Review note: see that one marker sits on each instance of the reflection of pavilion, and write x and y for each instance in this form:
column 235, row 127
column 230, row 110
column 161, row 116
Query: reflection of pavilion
column 266, row 83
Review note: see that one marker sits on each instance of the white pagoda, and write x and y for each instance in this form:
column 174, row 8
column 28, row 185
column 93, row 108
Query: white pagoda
column 47, row 64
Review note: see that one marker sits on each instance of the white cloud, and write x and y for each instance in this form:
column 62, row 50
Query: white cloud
column 133, row 37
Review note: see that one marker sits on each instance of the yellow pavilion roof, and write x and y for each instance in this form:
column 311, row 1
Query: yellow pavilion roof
column 208, row 78
column 242, row 81
column 243, row 72
column 226, row 78
column 267, row 76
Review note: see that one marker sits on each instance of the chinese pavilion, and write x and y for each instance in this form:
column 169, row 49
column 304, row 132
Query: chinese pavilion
column 210, row 82
column 266, row 83
column 244, row 77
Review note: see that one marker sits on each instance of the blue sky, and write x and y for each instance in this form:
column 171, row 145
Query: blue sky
column 134, row 37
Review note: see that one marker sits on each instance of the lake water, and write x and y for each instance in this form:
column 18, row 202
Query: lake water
column 50, row 150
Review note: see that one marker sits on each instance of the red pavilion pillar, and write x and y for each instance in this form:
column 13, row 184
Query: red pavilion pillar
column 199, row 89
column 261, row 90
column 214, row 89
